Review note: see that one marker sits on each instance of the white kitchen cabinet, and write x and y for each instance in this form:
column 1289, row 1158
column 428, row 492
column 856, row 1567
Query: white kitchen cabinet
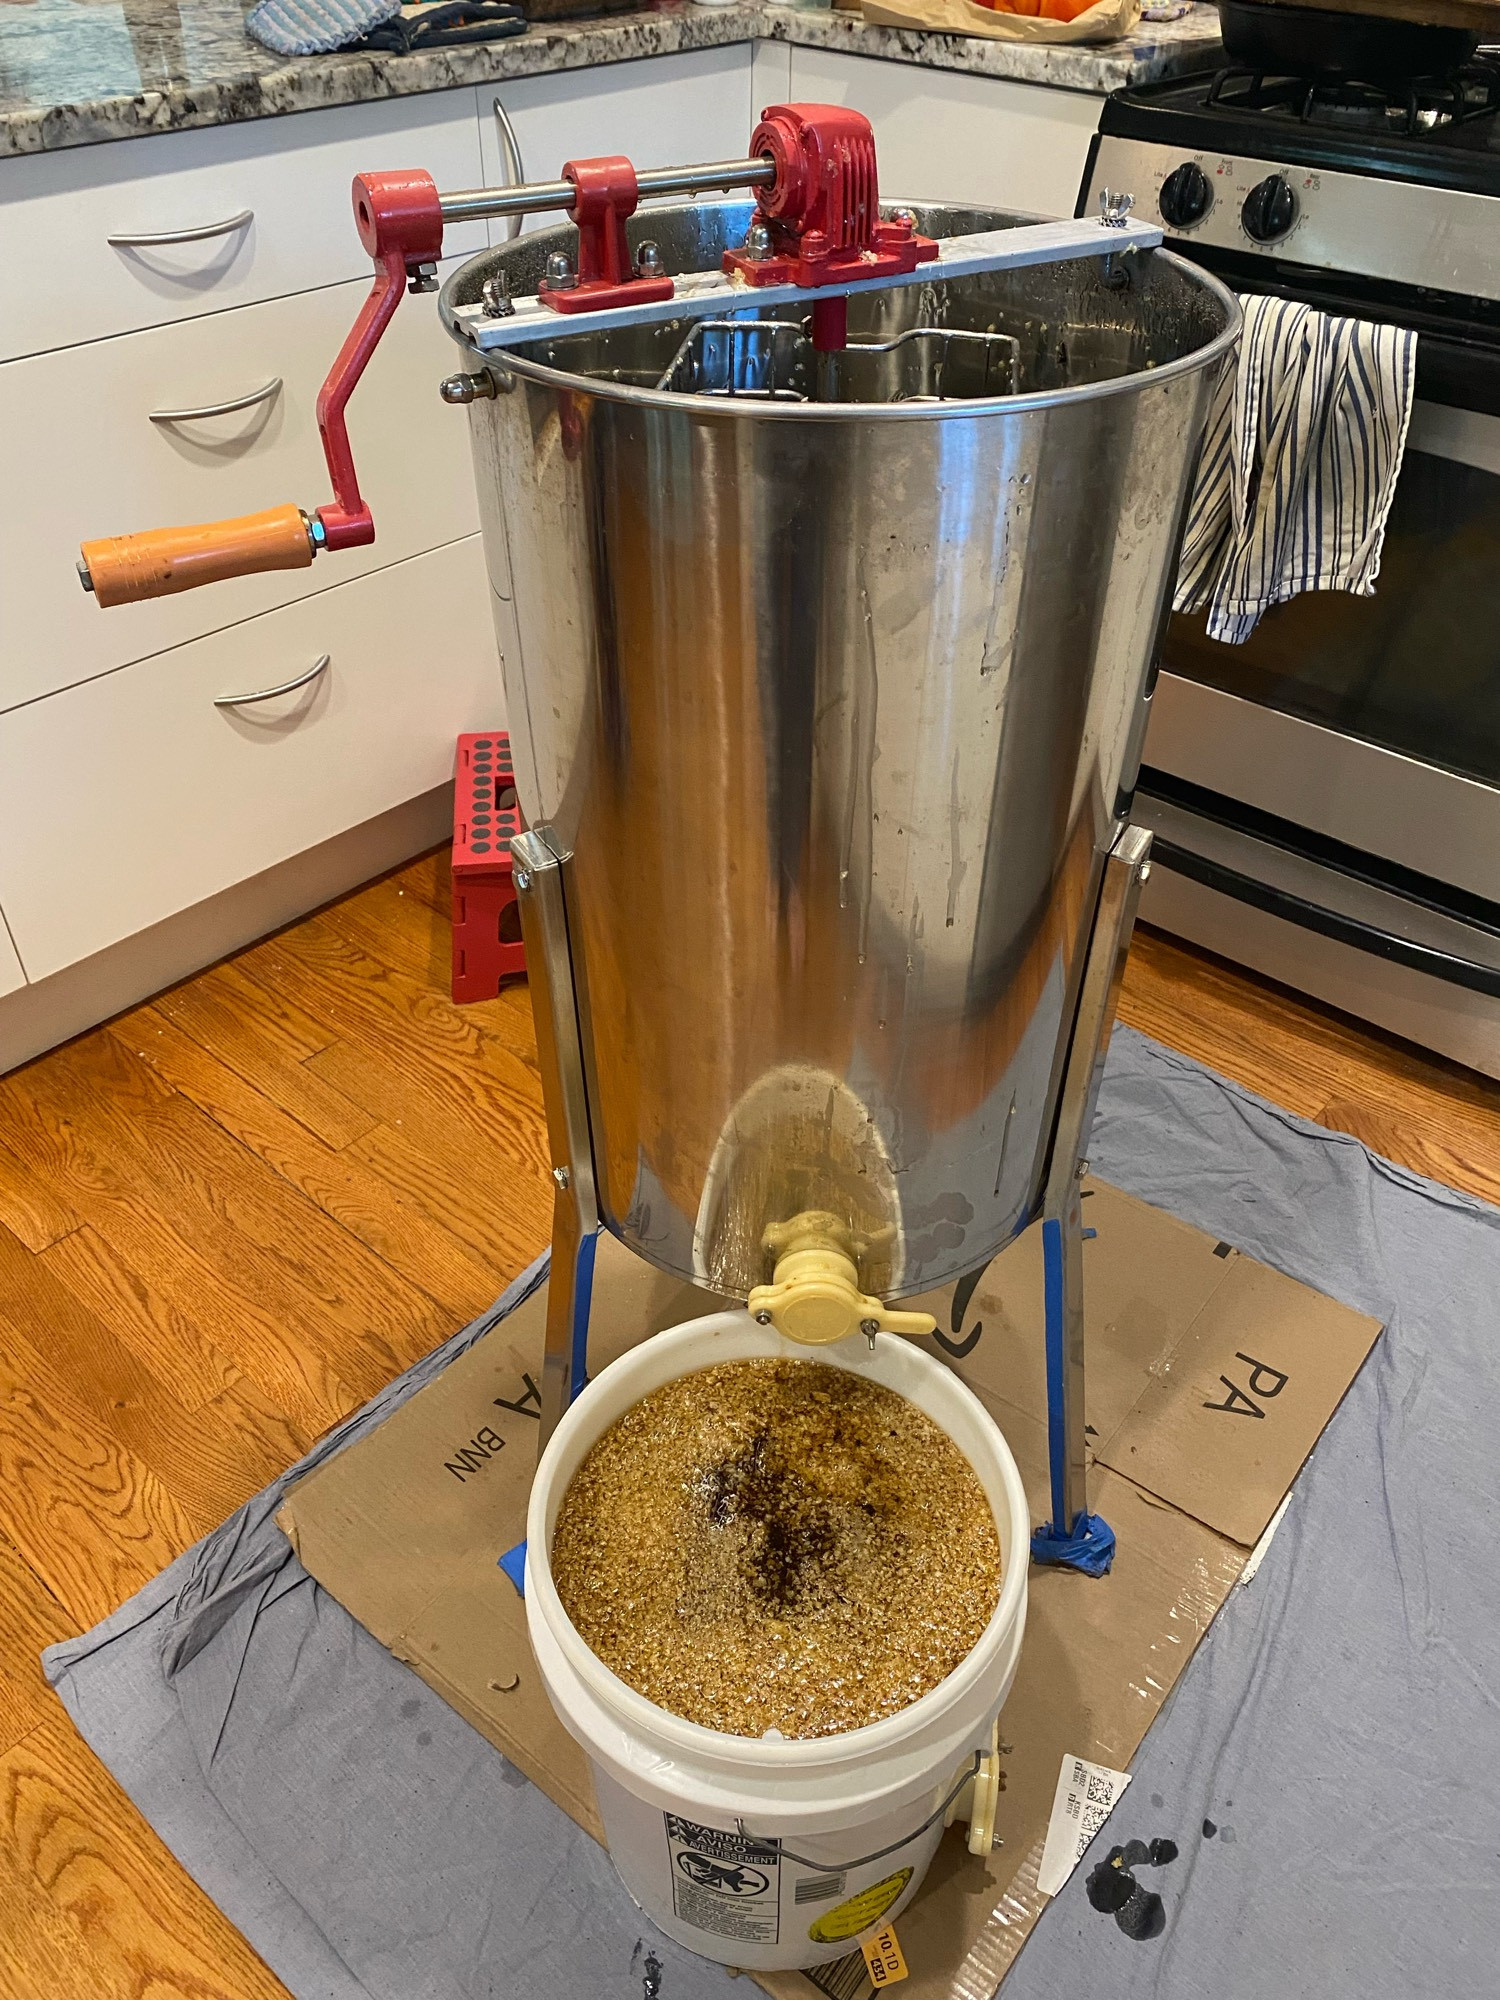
column 66, row 282
column 96, row 464
column 943, row 136
column 12, row 976
column 667, row 111
column 770, row 76
column 133, row 796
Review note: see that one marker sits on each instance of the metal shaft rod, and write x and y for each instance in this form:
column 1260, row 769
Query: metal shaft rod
column 657, row 184
column 530, row 198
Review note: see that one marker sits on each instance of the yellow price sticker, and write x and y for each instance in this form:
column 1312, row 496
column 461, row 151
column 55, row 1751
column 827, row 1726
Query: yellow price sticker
column 884, row 1958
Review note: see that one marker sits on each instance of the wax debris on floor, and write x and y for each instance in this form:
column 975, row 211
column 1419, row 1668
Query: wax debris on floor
column 1114, row 1890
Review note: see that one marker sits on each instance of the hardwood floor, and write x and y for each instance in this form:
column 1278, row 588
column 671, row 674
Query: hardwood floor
column 1416, row 1109
column 229, row 1216
column 225, row 1220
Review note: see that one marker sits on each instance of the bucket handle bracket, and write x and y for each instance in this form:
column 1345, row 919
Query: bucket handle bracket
column 970, row 1772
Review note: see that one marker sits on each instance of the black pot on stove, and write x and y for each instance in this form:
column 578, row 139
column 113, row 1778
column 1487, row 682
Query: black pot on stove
column 1280, row 40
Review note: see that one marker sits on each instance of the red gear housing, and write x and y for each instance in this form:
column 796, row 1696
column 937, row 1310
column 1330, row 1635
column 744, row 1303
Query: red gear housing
column 823, row 208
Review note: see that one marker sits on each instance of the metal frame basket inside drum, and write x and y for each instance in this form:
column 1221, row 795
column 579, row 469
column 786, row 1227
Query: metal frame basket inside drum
column 827, row 676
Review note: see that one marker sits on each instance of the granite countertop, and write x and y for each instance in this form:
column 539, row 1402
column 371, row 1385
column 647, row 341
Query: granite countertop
column 77, row 72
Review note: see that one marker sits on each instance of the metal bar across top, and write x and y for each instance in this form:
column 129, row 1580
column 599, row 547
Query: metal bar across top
column 705, row 294
column 655, row 184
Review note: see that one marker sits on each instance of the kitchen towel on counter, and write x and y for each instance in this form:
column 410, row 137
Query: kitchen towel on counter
column 1299, row 465
column 317, row 27
column 449, row 24
column 1105, row 21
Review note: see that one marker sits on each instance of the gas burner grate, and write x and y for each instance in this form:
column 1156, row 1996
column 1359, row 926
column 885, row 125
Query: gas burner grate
column 1409, row 109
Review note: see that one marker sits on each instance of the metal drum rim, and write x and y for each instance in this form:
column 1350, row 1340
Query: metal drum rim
column 736, row 410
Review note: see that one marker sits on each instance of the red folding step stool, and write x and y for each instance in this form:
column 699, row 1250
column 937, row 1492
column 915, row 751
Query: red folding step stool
column 487, row 944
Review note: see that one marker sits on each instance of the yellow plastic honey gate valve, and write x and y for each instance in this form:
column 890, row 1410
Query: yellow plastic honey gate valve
column 814, row 1296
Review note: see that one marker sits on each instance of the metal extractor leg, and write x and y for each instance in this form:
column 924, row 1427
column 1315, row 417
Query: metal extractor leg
column 541, row 875
column 1074, row 1537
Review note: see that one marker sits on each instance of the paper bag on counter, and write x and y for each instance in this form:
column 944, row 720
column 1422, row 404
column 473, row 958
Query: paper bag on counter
column 1105, row 21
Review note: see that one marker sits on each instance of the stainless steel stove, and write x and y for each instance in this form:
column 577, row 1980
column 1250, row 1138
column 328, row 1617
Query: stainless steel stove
column 1326, row 797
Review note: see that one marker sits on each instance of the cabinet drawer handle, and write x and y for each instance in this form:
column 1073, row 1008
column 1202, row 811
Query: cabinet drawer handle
column 199, row 233
column 269, row 694
column 515, row 170
column 246, row 402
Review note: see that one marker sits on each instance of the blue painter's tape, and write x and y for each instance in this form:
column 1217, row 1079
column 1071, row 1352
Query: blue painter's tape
column 1052, row 1293
column 1090, row 1548
column 583, row 1298
column 513, row 1562
column 1091, row 1545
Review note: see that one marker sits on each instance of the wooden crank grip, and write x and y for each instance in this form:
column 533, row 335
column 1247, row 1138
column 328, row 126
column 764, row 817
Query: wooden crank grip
column 123, row 569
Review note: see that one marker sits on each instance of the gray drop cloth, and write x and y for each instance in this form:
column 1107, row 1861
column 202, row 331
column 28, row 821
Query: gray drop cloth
column 1338, row 1726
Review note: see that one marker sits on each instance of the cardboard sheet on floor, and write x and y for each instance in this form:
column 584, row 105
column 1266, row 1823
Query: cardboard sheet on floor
column 1210, row 1378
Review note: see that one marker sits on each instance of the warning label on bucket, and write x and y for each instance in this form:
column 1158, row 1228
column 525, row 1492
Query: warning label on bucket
column 724, row 1883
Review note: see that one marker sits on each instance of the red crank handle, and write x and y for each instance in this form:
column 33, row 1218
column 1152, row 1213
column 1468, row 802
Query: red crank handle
column 400, row 221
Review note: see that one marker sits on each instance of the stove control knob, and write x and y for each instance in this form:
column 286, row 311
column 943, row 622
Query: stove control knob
column 1185, row 195
column 1269, row 210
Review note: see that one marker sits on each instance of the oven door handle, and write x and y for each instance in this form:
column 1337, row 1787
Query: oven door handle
column 1328, row 923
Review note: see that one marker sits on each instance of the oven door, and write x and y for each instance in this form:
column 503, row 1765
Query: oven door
column 1326, row 797
column 1373, row 721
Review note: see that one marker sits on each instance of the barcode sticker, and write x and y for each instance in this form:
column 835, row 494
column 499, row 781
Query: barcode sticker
column 846, row 1979
column 818, row 1888
column 1086, row 1795
column 884, row 1957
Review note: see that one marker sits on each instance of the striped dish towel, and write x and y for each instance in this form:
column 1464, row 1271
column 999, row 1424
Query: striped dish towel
column 316, row 27
column 1299, row 464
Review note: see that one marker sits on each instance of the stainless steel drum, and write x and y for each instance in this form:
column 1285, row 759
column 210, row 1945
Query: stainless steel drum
column 831, row 673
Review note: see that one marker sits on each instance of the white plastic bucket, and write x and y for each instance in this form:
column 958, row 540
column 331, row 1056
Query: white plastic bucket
column 773, row 1853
